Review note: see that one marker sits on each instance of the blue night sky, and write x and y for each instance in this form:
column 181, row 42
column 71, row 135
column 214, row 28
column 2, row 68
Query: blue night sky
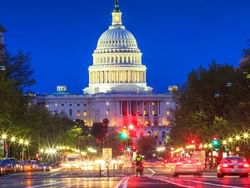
column 175, row 36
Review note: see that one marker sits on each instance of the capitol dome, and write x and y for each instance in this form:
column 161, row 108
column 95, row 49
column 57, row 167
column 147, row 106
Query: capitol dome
column 118, row 39
column 117, row 61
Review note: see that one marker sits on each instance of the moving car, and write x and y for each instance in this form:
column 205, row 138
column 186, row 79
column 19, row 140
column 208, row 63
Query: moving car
column 233, row 166
column 188, row 167
column 72, row 161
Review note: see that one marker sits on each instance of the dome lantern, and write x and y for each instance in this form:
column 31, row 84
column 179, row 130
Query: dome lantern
column 116, row 15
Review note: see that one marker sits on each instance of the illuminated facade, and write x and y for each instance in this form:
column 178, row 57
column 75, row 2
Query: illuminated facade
column 117, row 62
column 117, row 88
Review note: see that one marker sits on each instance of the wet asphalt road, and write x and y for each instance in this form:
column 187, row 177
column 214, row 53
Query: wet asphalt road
column 154, row 178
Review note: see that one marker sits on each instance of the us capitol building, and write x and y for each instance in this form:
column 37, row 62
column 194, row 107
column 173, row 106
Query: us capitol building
column 117, row 88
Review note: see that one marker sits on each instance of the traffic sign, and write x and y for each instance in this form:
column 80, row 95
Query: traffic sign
column 107, row 153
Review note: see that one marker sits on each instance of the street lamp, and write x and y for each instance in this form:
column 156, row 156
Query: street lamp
column 21, row 141
column 245, row 135
column 91, row 150
column 4, row 137
column 160, row 149
column 26, row 143
column 13, row 139
column 237, row 137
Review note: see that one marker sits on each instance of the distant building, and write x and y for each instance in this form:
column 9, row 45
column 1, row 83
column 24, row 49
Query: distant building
column 117, row 88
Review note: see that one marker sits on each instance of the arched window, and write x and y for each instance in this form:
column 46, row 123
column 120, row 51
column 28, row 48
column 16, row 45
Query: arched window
column 70, row 112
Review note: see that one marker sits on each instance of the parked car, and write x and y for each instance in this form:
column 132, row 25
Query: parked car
column 8, row 165
column 233, row 166
column 44, row 166
column 30, row 165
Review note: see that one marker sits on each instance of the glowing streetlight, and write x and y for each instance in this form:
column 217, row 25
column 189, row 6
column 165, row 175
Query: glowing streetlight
column 224, row 142
column 13, row 139
column 230, row 139
column 4, row 136
column 160, row 149
column 21, row 141
column 26, row 143
column 91, row 150
column 83, row 153
column 237, row 137
column 245, row 135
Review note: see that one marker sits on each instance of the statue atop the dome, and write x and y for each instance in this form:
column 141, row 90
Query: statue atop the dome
column 117, row 9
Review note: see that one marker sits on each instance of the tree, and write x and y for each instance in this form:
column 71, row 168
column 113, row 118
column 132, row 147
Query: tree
column 98, row 132
column 146, row 146
column 19, row 70
column 207, row 104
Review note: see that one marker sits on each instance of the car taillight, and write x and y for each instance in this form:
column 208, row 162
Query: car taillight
column 246, row 165
column 225, row 165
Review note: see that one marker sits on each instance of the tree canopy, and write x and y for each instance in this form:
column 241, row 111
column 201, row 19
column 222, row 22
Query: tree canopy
column 214, row 101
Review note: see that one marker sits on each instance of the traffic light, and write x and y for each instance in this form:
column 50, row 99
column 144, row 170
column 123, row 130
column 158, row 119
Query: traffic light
column 124, row 134
column 216, row 144
column 131, row 127
column 134, row 148
column 128, row 148
column 122, row 149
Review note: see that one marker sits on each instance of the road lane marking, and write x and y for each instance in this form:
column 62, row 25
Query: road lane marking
column 153, row 172
column 56, row 169
column 45, row 185
column 213, row 184
column 170, row 182
column 206, row 183
column 123, row 183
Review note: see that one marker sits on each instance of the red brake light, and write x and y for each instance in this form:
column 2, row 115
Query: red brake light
column 225, row 165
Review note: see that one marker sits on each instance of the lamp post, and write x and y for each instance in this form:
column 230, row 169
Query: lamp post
column 21, row 141
column 5, row 150
column 26, row 144
column 12, row 141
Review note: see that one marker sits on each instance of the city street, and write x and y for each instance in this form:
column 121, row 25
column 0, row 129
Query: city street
column 152, row 178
